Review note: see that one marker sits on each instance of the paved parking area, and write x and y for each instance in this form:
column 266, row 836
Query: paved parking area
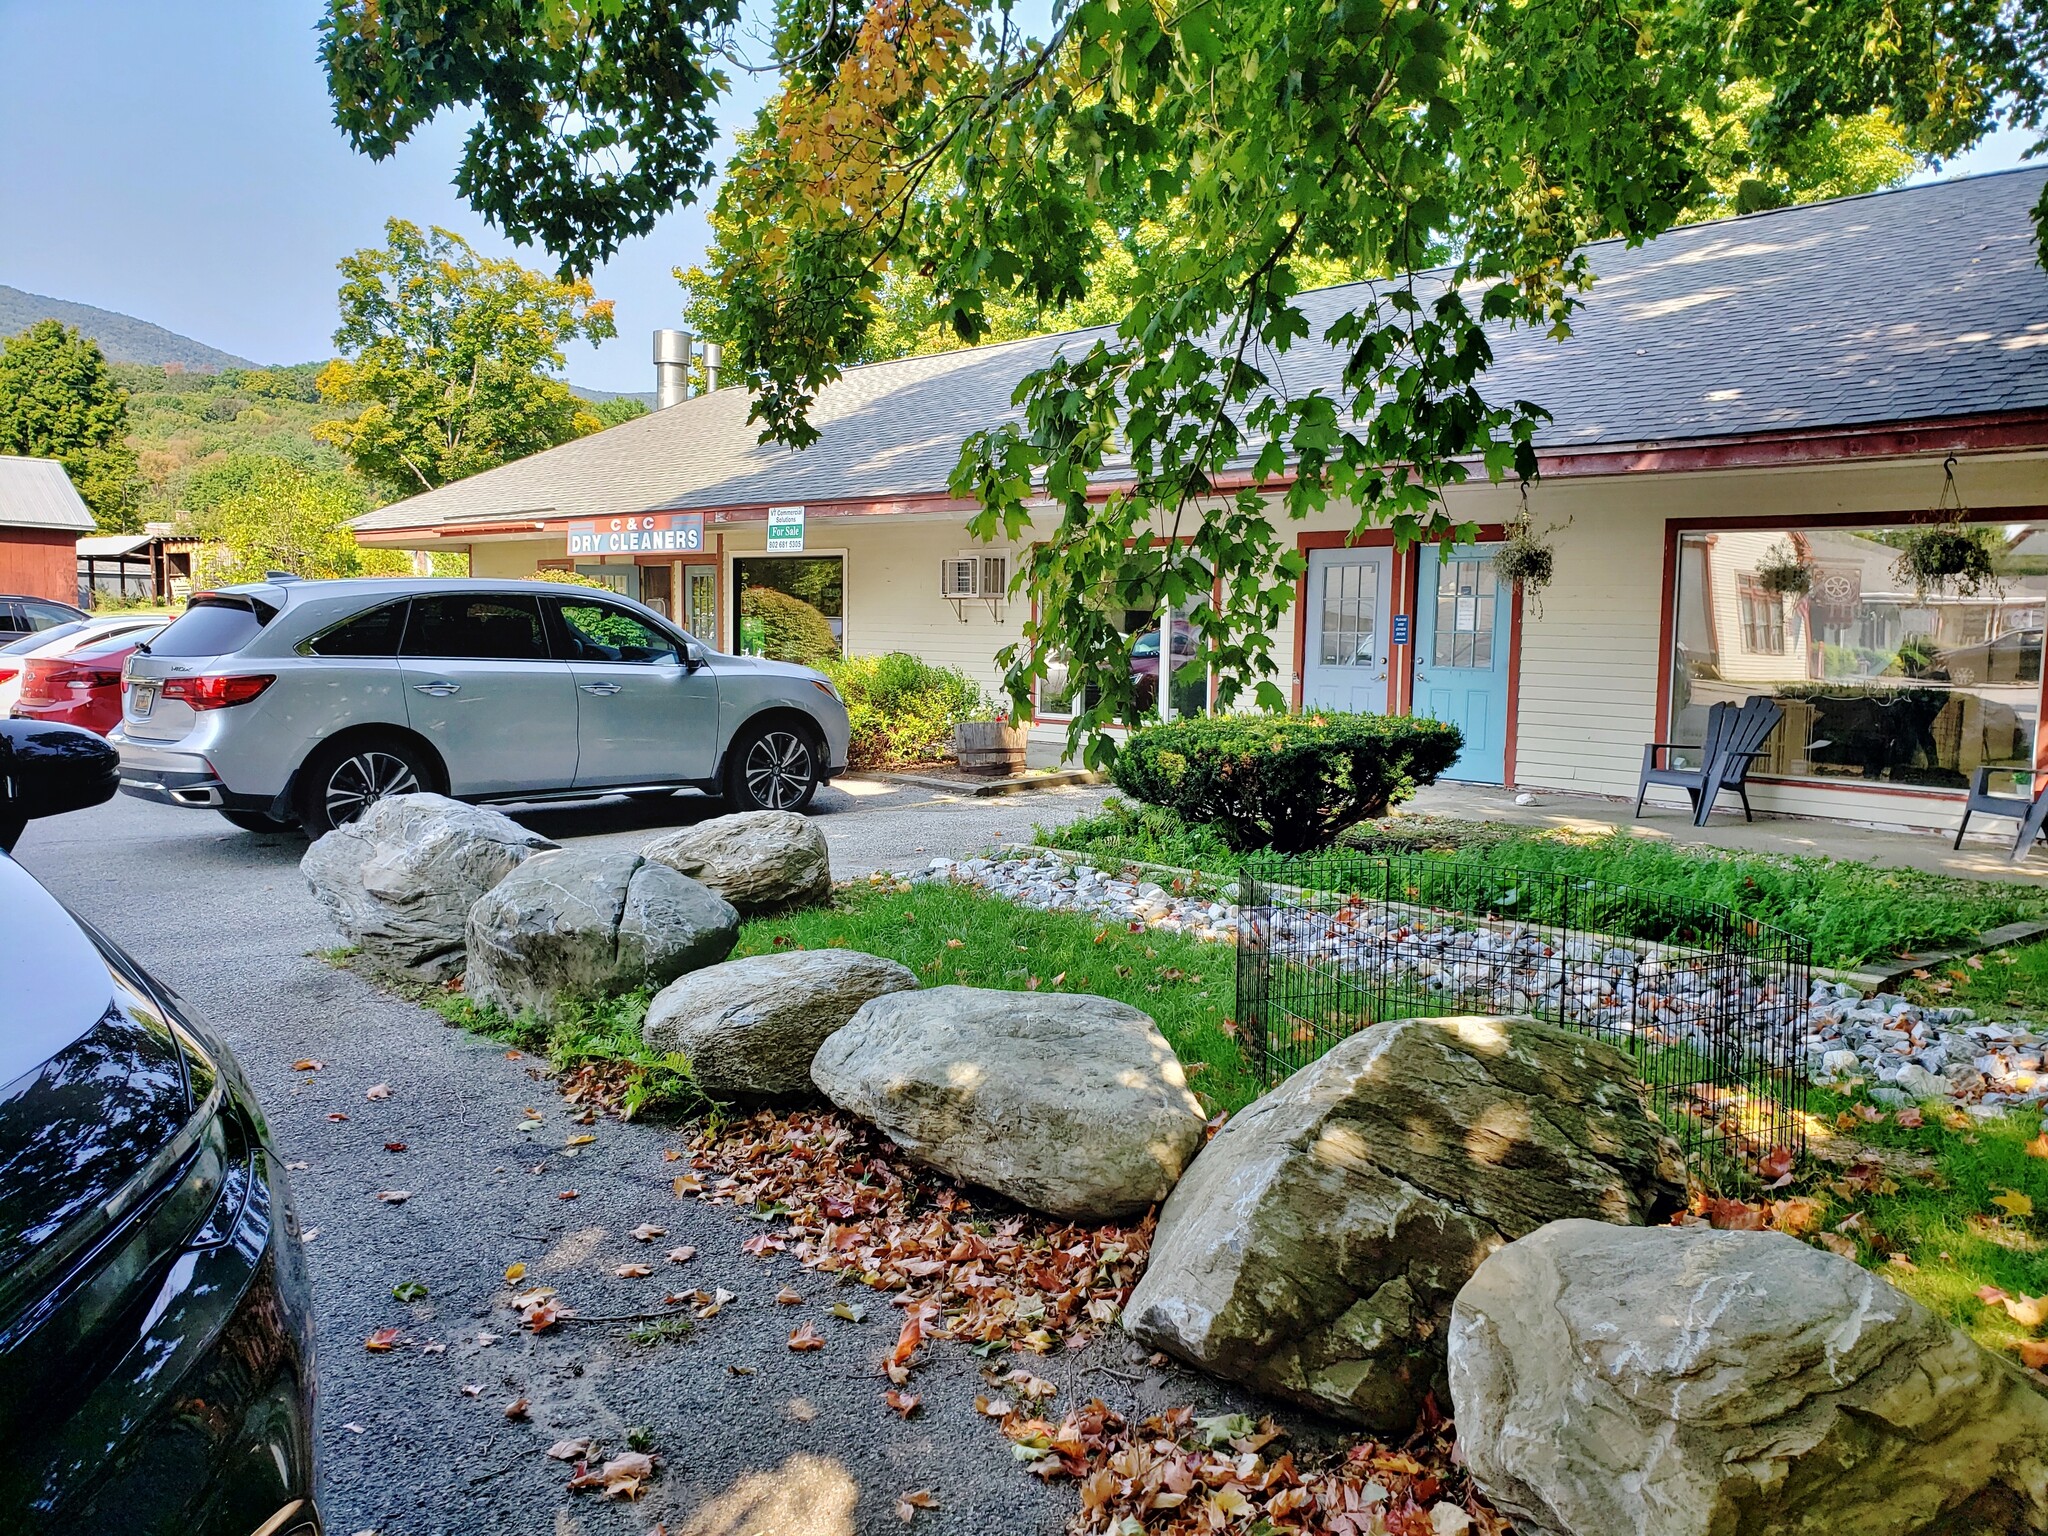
column 416, row 1442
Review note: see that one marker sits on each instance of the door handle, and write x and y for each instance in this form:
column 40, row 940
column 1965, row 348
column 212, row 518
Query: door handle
column 599, row 688
column 439, row 690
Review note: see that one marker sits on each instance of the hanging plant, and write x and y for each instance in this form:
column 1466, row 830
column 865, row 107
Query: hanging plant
column 1526, row 560
column 1786, row 572
column 1948, row 556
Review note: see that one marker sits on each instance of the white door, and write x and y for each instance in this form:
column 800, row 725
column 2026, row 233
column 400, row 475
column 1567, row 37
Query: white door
column 1345, row 665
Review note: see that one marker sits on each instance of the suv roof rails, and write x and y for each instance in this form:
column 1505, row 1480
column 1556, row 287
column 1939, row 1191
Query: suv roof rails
column 281, row 576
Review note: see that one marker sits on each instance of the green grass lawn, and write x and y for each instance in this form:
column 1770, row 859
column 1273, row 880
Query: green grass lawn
column 954, row 936
column 1930, row 1194
column 1848, row 911
column 2005, row 984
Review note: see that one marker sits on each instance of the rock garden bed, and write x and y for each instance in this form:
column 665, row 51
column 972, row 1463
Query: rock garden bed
column 1022, row 1057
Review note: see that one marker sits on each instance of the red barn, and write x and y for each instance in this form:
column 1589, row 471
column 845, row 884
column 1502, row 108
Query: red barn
column 41, row 519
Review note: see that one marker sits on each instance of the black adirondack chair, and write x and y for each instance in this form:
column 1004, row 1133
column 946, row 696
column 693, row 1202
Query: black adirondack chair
column 2031, row 814
column 1734, row 739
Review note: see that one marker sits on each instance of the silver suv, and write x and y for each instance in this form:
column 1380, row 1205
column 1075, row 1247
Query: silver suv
column 306, row 701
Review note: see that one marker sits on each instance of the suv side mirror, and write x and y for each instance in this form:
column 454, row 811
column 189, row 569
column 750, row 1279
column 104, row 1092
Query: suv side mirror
column 46, row 770
column 694, row 655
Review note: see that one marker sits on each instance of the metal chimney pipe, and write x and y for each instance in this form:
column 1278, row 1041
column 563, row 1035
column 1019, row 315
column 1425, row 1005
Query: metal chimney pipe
column 671, row 368
column 714, row 359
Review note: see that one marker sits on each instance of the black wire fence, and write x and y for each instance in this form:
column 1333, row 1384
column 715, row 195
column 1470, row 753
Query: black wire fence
column 1710, row 1004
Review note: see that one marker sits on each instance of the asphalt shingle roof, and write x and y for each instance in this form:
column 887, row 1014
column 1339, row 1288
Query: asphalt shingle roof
column 36, row 493
column 1908, row 305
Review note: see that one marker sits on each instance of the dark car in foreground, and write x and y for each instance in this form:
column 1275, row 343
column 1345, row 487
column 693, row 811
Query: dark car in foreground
column 156, row 1347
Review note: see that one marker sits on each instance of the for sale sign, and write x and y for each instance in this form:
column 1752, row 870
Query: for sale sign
column 643, row 533
column 785, row 530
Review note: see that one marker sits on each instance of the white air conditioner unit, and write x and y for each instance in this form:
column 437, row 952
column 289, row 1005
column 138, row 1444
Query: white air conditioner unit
column 995, row 577
column 960, row 577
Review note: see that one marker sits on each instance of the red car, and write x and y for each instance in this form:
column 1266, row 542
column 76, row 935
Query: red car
column 81, row 687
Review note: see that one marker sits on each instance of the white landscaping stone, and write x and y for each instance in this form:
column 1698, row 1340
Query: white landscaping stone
column 750, row 1027
column 1670, row 1381
column 400, row 880
column 1069, row 1104
column 758, row 860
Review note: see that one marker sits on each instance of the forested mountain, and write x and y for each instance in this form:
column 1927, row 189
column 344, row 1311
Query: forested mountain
column 123, row 338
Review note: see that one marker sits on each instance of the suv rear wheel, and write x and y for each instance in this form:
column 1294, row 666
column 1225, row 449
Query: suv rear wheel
column 772, row 767
column 343, row 779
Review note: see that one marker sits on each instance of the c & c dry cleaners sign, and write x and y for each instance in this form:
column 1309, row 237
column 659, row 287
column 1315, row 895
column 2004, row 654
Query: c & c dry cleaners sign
column 645, row 533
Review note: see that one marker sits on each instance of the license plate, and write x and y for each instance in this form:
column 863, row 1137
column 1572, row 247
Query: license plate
column 141, row 700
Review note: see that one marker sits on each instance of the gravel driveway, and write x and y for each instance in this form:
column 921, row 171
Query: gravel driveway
column 802, row 1446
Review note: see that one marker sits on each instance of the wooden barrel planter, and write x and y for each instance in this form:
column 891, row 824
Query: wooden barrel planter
column 993, row 747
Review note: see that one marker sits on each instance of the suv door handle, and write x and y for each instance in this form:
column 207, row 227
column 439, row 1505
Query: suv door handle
column 439, row 690
column 599, row 688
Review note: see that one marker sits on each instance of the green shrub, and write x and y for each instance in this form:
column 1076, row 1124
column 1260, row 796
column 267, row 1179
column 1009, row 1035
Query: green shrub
column 784, row 628
column 1286, row 782
column 902, row 709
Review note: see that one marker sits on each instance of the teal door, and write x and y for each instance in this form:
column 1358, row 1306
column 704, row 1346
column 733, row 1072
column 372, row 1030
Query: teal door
column 1464, row 618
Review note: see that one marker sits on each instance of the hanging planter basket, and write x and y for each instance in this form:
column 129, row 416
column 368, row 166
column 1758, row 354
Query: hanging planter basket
column 1949, row 556
column 1785, row 572
column 1526, row 560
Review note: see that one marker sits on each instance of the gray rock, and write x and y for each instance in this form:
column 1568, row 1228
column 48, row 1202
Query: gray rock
column 750, row 1027
column 1921, row 1083
column 400, row 881
column 1689, row 1382
column 579, row 923
column 1069, row 1104
column 758, row 860
column 1315, row 1247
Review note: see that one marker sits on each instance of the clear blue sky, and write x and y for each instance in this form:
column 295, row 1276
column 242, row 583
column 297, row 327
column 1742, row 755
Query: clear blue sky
column 174, row 159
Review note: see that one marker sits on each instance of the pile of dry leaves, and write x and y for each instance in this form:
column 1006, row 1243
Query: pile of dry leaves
column 840, row 1199
column 1177, row 1475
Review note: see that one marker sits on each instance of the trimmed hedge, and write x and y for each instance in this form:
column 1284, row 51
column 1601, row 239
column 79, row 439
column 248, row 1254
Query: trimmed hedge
column 785, row 628
column 903, row 709
column 1286, row 782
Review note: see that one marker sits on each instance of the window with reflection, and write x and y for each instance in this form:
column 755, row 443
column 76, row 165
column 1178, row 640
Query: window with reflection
column 1879, row 682
column 1064, row 692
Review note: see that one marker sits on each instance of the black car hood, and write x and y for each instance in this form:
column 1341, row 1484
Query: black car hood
column 54, row 986
column 92, row 1082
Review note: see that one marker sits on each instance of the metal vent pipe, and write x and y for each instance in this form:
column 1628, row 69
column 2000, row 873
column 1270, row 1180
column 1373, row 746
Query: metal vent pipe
column 714, row 359
column 672, row 368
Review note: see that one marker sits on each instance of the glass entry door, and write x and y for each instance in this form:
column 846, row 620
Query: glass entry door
column 1462, row 630
column 700, row 602
column 1346, row 662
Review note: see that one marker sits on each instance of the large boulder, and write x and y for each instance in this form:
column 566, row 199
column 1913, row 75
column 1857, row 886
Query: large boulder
column 577, row 923
column 399, row 882
column 750, row 1027
column 760, row 861
column 1689, row 1382
column 1315, row 1247
column 1069, row 1104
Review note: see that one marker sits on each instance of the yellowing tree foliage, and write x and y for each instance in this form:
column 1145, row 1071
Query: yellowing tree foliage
column 451, row 357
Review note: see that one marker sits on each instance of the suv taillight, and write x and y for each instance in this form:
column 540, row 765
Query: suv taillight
column 211, row 692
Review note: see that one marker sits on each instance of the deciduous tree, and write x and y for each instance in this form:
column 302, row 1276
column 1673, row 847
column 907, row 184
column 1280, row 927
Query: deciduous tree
column 263, row 514
column 935, row 140
column 451, row 357
column 58, row 400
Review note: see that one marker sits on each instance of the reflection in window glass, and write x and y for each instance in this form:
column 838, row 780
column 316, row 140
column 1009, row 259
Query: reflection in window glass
column 1464, row 612
column 1879, row 683
column 1064, row 693
column 1351, row 592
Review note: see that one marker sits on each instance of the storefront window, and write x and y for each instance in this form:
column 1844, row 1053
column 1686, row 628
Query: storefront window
column 1062, row 693
column 1879, row 683
column 791, row 607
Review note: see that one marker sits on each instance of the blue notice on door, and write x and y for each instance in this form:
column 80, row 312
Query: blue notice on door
column 1400, row 629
